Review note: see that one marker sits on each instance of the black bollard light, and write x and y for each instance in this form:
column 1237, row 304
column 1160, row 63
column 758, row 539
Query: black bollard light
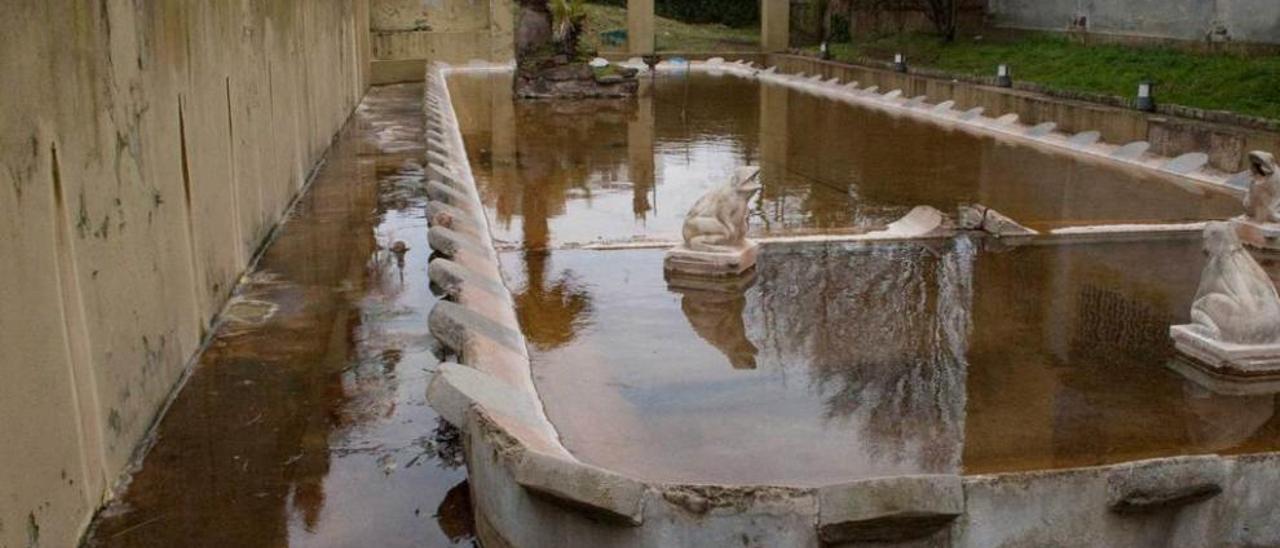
column 1003, row 77
column 825, row 51
column 1146, row 97
column 899, row 62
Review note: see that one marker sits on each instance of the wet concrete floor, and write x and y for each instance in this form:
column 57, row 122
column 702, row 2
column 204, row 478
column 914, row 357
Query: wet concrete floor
column 562, row 174
column 838, row 362
column 305, row 421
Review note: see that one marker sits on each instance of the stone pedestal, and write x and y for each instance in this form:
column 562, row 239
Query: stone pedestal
column 684, row 262
column 1255, row 362
column 1263, row 236
column 684, row 283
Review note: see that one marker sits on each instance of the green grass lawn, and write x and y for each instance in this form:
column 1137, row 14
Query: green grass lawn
column 1244, row 84
column 671, row 35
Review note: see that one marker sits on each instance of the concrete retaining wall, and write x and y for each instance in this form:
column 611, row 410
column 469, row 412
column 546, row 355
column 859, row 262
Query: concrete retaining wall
column 1227, row 145
column 1256, row 21
column 148, row 148
column 408, row 33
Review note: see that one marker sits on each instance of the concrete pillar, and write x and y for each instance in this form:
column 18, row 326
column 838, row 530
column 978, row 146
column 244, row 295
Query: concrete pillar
column 775, row 25
column 502, row 28
column 640, row 28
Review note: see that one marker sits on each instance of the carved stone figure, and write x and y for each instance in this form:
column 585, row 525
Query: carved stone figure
column 1262, row 203
column 718, row 220
column 1237, row 302
column 715, row 230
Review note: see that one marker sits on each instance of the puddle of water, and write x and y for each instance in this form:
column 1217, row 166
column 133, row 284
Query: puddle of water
column 309, row 426
column 850, row 361
column 559, row 174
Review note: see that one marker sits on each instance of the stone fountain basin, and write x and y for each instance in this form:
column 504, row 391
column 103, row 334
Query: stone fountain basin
column 529, row 490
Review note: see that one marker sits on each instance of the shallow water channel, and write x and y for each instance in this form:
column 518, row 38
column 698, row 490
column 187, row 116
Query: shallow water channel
column 305, row 421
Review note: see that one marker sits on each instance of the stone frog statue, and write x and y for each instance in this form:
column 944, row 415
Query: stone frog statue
column 1262, row 203
column 717, row 222
column 1237, row 302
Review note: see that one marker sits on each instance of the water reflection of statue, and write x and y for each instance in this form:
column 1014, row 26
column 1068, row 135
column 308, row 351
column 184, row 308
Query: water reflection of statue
column 714, row 308
column 1236, row 302
column 1222, row 421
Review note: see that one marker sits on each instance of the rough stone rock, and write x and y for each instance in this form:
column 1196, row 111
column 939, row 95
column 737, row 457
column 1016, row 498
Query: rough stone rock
column 565, row 73
column 556, row 77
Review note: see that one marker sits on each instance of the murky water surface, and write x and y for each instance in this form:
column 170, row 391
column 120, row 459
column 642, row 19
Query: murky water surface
column 839, row 362
column 555, row 174
column 305, row 422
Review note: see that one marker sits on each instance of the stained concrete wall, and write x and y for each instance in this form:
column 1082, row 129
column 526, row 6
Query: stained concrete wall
column 409, row 33
column 1243, row 20
column 147, row 148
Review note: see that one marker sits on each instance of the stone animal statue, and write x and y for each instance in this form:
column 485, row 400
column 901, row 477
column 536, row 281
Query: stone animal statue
column 1237, row 302
column 717, row 222
column 1262, row 203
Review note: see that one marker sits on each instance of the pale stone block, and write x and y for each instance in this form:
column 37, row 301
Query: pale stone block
column 683, row 260
column 597, row 492
column 1227, row 358
column 1153, row 485
column 889, row 509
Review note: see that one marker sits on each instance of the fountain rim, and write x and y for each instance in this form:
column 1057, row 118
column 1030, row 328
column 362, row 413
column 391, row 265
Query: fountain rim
column 489, row 392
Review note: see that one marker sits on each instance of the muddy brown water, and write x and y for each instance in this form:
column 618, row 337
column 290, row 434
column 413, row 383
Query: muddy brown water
column 839, row 362
column 305, row 421
column 557, row 174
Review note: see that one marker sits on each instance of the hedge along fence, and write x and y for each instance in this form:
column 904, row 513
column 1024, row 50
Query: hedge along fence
column 734, row 13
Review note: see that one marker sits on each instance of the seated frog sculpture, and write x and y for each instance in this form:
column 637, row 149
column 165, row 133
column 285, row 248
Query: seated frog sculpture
column 717, row 222
column 1262, row 203
column 1236, row 303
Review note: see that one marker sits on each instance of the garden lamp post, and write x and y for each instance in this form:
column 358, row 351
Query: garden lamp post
column 1004, row 78
column 1146, row 101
